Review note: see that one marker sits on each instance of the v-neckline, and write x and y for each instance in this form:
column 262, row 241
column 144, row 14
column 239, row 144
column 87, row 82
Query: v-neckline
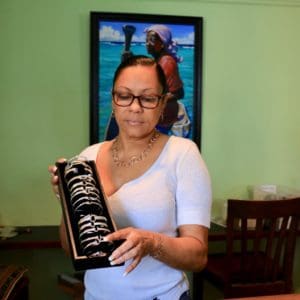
column 148, row 171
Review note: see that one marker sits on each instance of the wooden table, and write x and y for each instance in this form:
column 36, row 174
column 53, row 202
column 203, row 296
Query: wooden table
column 38, row 237
column 33, row 237
column 217, row 232
column 48, row 237
column 273, row 297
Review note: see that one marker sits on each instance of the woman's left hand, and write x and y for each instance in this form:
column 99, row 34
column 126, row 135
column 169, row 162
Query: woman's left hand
column 138, row 243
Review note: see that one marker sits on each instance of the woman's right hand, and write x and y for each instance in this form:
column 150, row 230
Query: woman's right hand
column 54, row 178
column 54, row 182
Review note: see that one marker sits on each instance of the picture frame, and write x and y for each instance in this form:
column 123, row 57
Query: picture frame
column 108, row 32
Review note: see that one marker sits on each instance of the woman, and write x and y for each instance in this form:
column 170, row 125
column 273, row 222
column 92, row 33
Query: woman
column 158, row 189
column 160, row 44
column 163, row 48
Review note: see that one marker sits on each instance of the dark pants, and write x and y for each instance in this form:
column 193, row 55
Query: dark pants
column 184, row 296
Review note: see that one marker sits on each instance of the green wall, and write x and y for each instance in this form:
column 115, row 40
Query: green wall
column 250, row 122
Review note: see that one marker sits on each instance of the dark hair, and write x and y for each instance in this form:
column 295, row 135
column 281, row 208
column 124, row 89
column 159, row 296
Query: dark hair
column 142, row 60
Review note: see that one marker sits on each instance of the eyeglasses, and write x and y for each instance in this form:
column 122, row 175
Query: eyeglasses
column 126, row 99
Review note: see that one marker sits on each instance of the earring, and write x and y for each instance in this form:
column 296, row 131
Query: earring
column 161, row 116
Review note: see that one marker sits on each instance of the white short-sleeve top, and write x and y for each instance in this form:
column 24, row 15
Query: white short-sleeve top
column 174, row 191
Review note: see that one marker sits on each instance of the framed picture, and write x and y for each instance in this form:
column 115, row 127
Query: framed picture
column 115, row 35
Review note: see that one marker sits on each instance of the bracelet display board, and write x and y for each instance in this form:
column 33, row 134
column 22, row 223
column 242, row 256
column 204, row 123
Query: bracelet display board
column 86, row 214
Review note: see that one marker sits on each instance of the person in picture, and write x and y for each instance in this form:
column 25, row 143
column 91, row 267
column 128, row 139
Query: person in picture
column 163, row 48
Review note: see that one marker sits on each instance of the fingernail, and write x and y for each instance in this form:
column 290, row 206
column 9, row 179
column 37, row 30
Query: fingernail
column 112, row 263
column 125, row 274
column 111, row 258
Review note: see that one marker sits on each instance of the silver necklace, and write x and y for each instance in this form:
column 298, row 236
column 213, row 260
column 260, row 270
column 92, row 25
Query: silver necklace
column 135, row 158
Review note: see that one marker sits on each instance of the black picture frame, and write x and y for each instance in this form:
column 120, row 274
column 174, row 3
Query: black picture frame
column 106, row 46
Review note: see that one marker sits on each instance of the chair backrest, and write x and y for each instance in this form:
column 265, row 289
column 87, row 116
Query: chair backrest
column 261, row 240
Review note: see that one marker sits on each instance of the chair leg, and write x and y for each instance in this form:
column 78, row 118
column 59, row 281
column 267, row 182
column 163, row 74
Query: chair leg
column 197, row 286
column 71, row 285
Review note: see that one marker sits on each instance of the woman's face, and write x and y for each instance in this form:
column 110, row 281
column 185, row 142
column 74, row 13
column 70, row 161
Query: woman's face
column 154, row 44
column 135, row 121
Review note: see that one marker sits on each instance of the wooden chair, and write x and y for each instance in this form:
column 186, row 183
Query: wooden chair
column 14, row 283
column 260, row 248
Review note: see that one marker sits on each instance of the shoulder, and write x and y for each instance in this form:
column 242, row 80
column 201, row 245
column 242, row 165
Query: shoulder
column 91, row 151
column 182, row 144
column 167, row 60
column 185, row 152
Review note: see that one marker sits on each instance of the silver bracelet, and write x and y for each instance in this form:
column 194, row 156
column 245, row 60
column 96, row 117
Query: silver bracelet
column 159, row 249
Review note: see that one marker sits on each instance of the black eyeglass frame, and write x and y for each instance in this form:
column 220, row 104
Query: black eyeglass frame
column 159, row 97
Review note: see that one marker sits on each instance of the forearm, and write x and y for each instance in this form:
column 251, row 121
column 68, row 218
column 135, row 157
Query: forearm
column 184, row 253
column 63, row 237
column 187, row 252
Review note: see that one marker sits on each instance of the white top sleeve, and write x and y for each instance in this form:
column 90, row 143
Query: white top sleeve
column 174, row 191
column 193, row 193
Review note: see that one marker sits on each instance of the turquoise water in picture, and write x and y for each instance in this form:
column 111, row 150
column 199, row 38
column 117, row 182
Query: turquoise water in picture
column 110, row 56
